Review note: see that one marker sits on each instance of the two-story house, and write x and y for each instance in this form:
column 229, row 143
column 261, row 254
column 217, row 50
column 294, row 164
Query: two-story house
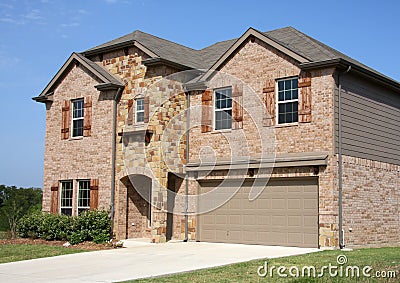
column 272, row 138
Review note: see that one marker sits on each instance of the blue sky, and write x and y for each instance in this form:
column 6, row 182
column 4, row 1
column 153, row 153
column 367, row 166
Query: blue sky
column 36, row 37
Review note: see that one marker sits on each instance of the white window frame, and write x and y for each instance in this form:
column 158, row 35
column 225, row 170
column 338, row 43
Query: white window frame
column 78, row 118
column 214, row 101
column 285, row 101
column 137, row 111
column 61, row 196
column 78, row 195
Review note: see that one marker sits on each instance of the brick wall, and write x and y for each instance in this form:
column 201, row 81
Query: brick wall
column 371, row 202
column 79, row 158
column 254, row 64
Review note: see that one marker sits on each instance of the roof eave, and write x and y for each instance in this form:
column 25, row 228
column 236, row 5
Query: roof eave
column 162, row 61
column 43, row 98
column 108, row 86
column 341, row 63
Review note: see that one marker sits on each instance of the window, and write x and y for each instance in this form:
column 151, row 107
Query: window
column 288, row 101
column 223, row 109
column 77, row 118
column 139, row 110
column 83, row 195
column 66, row 197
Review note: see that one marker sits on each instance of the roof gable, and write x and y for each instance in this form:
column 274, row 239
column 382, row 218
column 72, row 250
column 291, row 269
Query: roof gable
column 261, row 36
column 104, row 76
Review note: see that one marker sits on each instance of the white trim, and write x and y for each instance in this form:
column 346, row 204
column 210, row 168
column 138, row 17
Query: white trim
column 139, row 111
column 277, row 102
column 76, row 119
column 60, row 196
column 77, row 196
column 214, row 100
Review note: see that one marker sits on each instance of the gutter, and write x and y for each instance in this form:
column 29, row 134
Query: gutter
column 113, row 154
column 340, row 159
column 344, row 64
column 186, row 171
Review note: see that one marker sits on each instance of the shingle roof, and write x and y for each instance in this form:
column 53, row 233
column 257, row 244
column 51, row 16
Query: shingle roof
column 289, row 37
column 161, row 47
column 205, row 58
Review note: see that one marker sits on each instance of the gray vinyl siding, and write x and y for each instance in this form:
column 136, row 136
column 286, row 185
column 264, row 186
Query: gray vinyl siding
column 370, row 120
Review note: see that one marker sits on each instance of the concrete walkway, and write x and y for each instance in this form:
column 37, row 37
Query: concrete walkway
column 138, row 260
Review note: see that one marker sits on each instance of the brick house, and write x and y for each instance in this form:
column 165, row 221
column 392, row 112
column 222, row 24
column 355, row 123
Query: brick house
column 278, row 110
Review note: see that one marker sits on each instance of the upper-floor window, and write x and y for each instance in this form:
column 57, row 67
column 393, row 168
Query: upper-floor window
column 287, row 101
column 66, row 197
column 223, row 108
column 83, row 195
column 139, row 110
column 77, row 117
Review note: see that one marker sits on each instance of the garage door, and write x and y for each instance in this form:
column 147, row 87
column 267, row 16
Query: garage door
column 286, row 214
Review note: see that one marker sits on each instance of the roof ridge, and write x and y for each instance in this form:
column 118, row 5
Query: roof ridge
column 163, row 39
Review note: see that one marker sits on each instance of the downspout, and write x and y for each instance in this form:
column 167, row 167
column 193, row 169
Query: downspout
column 340, row 160
column 113, row 153
column 186, row 172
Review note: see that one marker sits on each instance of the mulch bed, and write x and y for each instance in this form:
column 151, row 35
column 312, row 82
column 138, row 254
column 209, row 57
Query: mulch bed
column 81, row 246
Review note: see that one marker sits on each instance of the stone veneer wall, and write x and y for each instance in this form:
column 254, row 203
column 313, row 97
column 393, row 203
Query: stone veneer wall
column 254, row 64
column 79, row 158
column 371, row 202
column 146, row 159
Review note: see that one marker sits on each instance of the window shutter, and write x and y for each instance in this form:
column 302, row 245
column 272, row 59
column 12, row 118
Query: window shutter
column 65, row 119
column 206, row 113
column 305, row 97
column 270, row 103
column 146, row 109
column 94, row 194
column 130, row 112
column 237, row 106
column 87, row 121
column 54, row 198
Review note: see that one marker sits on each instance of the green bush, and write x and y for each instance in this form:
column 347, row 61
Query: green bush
column 89, row 226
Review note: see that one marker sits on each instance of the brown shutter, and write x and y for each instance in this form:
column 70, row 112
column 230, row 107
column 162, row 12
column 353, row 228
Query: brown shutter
column 54, row 198
column 87, row 121
column 65, row 119
column 94, row 194
column 206, row 112
column 270, row 102
column 146, row 109
column 305, row 97
column 130, row 112
column 237, row 106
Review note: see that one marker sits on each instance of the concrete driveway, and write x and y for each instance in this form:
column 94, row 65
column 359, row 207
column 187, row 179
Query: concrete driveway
column 138, row 260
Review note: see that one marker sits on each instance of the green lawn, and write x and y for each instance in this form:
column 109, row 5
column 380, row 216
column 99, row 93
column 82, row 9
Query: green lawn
column 380, row 259
column 17, row 252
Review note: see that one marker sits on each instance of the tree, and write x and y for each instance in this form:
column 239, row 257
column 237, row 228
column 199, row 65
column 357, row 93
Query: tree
column 15, row 203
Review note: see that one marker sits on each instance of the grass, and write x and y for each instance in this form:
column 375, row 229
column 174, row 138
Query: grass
column 17, row 252
column 380, row 259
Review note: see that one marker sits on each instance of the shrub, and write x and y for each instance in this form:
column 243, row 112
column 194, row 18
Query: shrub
column 89, row 226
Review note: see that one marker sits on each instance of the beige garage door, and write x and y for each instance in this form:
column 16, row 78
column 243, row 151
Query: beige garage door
column 286, row 213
